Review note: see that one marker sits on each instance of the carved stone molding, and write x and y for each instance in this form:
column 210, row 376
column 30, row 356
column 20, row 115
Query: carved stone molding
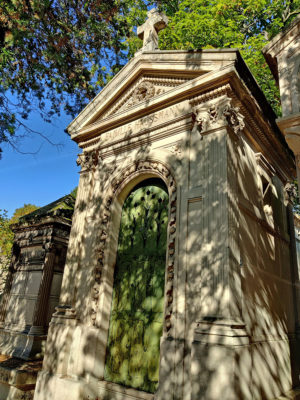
column 65, row 312
column 214, row 115
column 87, row 160
column 212, row 94
column 117, row 182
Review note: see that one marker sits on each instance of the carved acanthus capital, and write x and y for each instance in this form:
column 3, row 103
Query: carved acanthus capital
column 290, row 192
column 87, row 160
column 217, row 114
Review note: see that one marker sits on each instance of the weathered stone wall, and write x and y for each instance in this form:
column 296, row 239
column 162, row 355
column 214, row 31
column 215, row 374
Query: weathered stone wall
column 266, row 267
column 228, row 253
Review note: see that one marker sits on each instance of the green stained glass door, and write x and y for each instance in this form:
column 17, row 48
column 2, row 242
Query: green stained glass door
column 136, row 320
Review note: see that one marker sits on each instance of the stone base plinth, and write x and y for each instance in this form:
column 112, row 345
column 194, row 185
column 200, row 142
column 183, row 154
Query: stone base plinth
column 227, row 364
column 55, row 388
column 18, row 378
column 21, row 345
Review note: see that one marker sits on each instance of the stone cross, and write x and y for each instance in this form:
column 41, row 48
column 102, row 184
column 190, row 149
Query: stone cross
column 149, row 30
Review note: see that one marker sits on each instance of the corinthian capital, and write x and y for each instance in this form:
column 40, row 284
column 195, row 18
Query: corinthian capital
column 220, row 112
column 87, row 160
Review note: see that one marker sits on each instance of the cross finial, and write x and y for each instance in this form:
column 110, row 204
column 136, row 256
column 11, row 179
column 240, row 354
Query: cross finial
column 149, row 30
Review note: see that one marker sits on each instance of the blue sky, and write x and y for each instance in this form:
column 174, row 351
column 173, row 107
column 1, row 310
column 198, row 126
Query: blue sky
column 41, row 178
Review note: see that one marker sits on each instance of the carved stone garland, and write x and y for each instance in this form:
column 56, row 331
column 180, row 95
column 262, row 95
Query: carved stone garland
column 105, row 221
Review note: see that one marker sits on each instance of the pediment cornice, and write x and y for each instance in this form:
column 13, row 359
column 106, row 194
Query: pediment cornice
column 164, row 69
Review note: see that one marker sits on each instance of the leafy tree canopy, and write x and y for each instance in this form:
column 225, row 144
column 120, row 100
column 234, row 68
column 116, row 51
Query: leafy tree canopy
column 6, row 234
column 56, row 55
column 20, row 212
column 244, row 24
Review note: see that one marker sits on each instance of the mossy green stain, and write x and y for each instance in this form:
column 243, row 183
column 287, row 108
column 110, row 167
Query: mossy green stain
column 136, row 319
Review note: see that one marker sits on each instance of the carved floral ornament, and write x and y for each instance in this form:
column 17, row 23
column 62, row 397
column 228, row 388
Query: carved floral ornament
column 145, row 91
column 116, row 185
column 214, row 115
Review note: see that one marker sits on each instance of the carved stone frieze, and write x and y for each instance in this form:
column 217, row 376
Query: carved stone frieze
column 136, row 127
column 116, row 183
column 87, row 160
column 212, row 115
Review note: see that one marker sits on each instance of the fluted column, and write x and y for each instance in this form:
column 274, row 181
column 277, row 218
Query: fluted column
column 41, row 309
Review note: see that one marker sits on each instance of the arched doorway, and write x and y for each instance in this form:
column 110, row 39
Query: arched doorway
column 136, row 319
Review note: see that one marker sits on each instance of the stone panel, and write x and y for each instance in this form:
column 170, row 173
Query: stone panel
column 33, row 283
column 19, row 282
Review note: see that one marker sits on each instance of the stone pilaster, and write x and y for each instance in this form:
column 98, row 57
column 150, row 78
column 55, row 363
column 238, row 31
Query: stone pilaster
column 8, row 284
column 218, row 332
column 5, row 297
column 87, row 161
column 41, row 309
column 291, row 194
column 218, row 125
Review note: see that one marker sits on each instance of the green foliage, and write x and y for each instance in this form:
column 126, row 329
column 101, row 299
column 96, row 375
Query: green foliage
column 20, row 212
column 138, row 293
column 6, row 234
column 56, row 55
column 51, row 56
column 244, row 24
column 74, row 192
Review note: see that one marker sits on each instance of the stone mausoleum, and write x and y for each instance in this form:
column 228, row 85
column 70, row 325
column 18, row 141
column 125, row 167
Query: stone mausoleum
column 181, row 278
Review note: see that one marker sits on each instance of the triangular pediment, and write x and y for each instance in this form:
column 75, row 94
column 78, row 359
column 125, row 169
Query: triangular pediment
column 148, row 76
column 145, row 88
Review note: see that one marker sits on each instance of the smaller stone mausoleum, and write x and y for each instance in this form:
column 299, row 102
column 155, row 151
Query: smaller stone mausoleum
column 31, row 294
